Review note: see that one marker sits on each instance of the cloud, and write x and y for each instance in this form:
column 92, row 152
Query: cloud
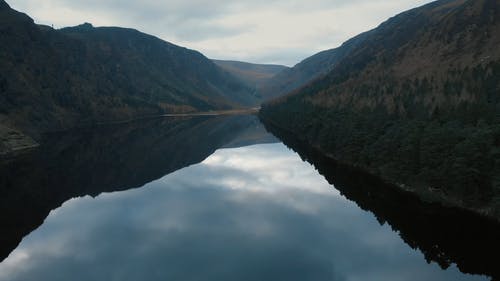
column 258, row 31
column 263, row 31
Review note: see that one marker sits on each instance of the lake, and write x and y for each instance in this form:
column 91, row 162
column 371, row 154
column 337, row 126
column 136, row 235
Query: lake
column 220, row 198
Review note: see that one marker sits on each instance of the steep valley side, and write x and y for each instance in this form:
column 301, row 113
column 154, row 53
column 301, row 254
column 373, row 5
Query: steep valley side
column 58, row 79
column 416, row 103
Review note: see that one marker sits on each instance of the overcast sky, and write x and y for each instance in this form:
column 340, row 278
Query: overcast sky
column 261, row 31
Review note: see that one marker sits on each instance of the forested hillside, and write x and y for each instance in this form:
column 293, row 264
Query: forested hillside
column 417, row 103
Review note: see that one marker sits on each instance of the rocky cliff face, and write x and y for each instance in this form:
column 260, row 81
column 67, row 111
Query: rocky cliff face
column 53, row 79
column 417, row 102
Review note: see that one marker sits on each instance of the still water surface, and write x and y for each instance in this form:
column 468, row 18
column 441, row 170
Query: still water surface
column 252, row 213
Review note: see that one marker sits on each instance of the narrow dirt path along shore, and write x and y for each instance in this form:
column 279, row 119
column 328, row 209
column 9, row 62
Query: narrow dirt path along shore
column 216, row 112
column 14, row 141
column 240, row 111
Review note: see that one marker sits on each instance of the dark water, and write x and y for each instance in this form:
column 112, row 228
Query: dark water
column 217, row 199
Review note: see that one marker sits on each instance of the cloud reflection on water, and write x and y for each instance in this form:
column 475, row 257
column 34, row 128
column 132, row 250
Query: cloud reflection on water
column 253, row 213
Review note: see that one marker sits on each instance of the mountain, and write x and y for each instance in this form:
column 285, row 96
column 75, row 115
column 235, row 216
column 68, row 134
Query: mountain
column 417, row 102
column 306, row 71
column 255, row 133
column 55, row 79
column 254, row 75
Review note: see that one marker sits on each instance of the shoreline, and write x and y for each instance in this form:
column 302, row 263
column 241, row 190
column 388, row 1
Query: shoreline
column 427, row 195
column 14, row 142
column 228, row 112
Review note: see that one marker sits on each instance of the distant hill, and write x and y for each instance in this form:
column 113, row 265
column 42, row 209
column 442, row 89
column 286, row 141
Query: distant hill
column 55, row 79
column 254, row 75
column 306, row 71
column 416, row 102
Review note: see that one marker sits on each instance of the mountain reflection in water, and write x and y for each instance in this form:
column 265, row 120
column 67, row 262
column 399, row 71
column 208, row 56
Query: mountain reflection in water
column 246, row 213
column 445, row 235
column 105, row 159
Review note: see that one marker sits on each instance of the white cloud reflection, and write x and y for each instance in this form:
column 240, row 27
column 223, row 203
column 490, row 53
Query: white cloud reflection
column 195, row 224
column 268, row 169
